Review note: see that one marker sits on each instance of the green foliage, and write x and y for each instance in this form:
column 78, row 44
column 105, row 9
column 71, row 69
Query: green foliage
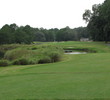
column 77, row 77
column 5, row 48
column 13, row 34
column 99, row 21
column 26, row 35
column 21, row 61
column 55, row 56
column 39, row 36
column 25, row 61
column 6, row 35
column 50, row 54
column 21, row 56
column 4, row 63
column 1, row 54
column 44, row 59
column 32, row 61
column 16, row 53
column 34, row 54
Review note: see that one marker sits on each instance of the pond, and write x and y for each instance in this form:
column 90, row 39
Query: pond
column 74, row 52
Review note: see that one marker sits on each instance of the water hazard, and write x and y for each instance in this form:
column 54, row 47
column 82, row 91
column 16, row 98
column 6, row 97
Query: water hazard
column 74, row 52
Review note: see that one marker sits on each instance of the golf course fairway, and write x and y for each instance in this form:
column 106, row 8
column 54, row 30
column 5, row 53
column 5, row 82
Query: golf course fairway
column 76, row 77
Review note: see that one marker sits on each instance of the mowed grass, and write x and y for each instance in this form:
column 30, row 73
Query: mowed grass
column 77, row 77
column 95, row 46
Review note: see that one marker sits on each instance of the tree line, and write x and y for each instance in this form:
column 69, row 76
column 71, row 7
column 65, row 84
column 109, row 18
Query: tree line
column 99, row 21
column 26, row 34
column 98, row 29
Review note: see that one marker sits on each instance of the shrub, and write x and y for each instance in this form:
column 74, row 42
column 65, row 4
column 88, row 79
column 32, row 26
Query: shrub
column 21, row 61
column 34, row 48
column 1, row 54
column 55, row 56
column 15, row 54
column 19, row 53
column 41, row 54
column 33, row 61
column 4, row 63
column 45, row 59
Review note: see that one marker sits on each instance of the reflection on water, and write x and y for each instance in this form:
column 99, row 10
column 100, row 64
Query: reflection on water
column 75, row 52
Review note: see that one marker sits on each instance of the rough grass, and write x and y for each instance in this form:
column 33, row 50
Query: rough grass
column 34, row 55
column 4, row 63
column 99, row 47
column 78, row 77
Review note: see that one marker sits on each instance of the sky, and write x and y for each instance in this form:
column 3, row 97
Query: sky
column 45, row 13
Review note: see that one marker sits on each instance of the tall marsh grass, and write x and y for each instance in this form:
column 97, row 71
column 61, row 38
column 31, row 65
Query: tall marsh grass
column 38, row 55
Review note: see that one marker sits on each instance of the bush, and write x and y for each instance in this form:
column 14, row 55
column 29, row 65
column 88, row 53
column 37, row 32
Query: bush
column 39, row 55
column 22, row 61
column 4, row 63
column 16, row 54
column 1, row 54
column 45, row 59
column 55, row 56
column 34, row 48
column 33, row 61
column 20, row 53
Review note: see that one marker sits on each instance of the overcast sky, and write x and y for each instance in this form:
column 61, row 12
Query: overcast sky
column 45, row 13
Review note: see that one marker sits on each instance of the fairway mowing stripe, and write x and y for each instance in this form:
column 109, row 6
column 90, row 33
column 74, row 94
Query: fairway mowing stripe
column 69, row 99
column 54, row 73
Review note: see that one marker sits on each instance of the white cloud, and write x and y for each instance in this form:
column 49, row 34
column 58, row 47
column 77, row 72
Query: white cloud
column 44, row 13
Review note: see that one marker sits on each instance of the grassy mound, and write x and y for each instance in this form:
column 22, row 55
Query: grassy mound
column 34, row 55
